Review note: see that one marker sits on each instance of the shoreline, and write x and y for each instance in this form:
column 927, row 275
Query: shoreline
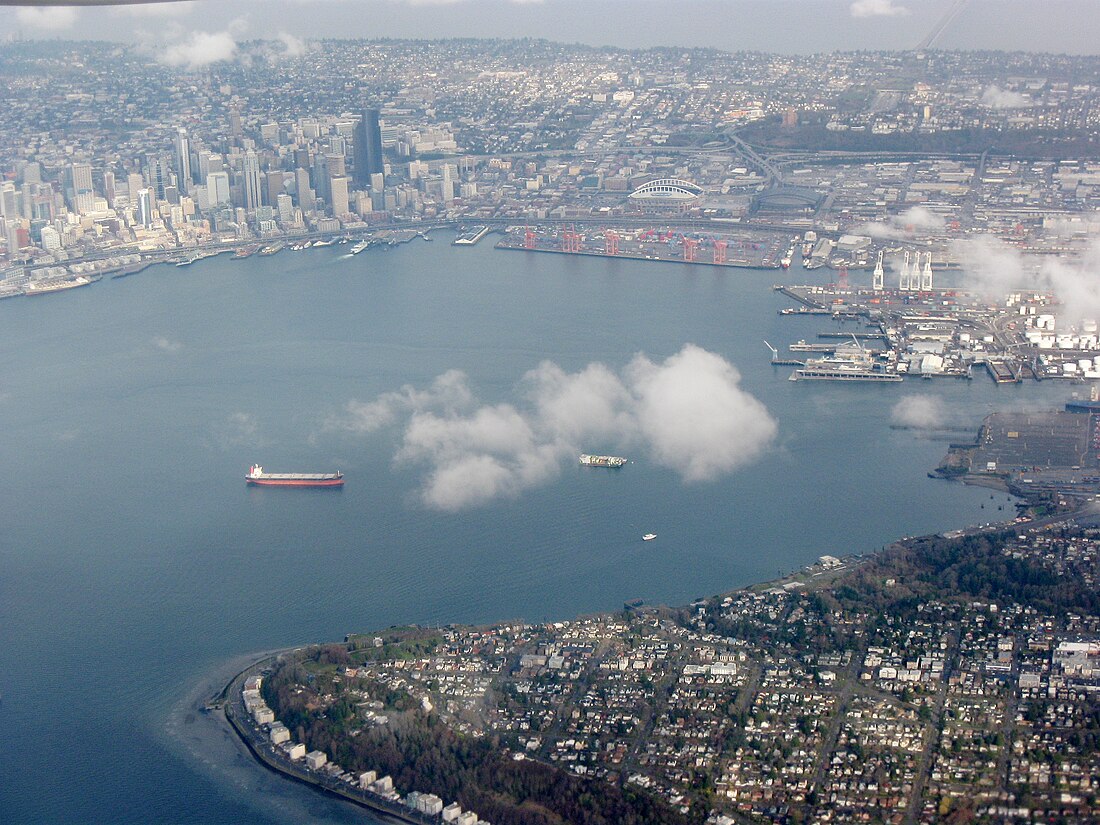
column 228, row 705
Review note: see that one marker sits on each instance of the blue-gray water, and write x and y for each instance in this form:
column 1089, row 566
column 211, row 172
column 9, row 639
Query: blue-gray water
column 134, row 560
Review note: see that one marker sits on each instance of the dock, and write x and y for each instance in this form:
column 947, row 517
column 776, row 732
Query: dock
column 1002, row 372
column 471, row 237
column 859, row 336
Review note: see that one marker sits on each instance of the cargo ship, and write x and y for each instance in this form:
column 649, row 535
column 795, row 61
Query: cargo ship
column 257, row 476
column 602, row 460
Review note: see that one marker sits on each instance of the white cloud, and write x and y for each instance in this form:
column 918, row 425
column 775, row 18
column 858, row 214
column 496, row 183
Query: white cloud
column 238, row 430
column 292, row 46
column 918, row 412
column 448, row 393
column 55, row 18
column 877, row 8
column 167, row 344
column 695, row 416
column 993, row 269
column 201, row 49
column 688, row 412
column 904, row 224
column 997, row 98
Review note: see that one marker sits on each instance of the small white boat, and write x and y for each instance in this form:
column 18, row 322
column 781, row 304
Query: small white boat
column 649, row 537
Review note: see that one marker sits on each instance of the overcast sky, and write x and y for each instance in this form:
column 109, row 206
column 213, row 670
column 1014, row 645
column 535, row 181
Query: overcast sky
column 764, row 25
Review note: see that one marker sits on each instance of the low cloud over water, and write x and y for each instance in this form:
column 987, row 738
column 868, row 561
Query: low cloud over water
column 688, row 413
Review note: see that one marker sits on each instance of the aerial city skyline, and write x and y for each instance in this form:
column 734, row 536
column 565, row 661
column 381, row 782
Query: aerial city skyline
column 529, row 413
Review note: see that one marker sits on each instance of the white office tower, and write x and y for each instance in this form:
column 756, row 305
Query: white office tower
column 338, row 194
column 903, row 281
column 83, row 195
column 286, row 207
column 877, row 278
column 51, row 239
column 145, row 207
column 217, row 189
column 448, row 188
column 926, row 280
column 8, row 201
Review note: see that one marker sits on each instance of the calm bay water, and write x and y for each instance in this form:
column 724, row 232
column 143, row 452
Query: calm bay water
column 134, row 561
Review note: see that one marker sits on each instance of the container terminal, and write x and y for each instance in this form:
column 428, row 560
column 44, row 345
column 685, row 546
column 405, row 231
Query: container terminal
column 740, row 247
column 1034, row 454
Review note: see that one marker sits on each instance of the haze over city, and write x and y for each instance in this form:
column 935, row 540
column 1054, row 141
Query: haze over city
column 782, row 26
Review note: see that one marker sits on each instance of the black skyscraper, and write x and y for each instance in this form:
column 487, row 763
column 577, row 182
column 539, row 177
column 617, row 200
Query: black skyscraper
column 368, row 148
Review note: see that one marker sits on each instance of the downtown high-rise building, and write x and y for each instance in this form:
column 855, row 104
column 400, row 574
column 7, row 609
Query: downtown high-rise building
column 368, row 148
column 338, row 194
column 251, row 180
column 183, row 160
column 448, row 187
column 285, row 205
column 160, row 176
column 109, row 188
column 83, row 194
column 304, row 190
column 145, row 207
column 134, row 184
column 275, row 184
column 9, row 209
column 319, row 180
column 217, row 189
column 236, row 128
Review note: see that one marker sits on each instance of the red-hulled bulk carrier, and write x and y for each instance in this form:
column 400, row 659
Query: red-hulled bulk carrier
column 257, row 476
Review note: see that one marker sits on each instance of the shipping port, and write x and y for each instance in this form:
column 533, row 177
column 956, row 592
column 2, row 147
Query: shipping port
column 1033, row 454
column 928, row 331
column 726, row 248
